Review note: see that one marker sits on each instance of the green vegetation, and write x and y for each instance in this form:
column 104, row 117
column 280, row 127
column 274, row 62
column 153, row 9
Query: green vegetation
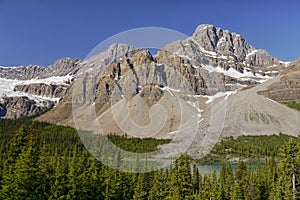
column 248, row 147
column 294, row 105
column 44, row 161
column 137, row 145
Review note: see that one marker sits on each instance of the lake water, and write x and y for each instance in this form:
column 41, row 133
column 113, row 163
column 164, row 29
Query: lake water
column 210, row 167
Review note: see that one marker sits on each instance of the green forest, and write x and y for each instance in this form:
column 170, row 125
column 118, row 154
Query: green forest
column 45, row 161
column 248, row 147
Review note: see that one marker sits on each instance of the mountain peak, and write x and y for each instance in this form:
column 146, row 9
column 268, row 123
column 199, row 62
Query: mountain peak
column 205, row 26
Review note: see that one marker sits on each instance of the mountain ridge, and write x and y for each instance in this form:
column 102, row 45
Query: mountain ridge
column 212, row 65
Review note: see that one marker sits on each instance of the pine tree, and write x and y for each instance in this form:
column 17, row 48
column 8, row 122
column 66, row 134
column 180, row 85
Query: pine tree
column 95, row 179
column 250, row 189
column 156, row 191
column 229, row 184
column 73, row 176
column 58, row 179
column 139, row 189
column 240, row 182
column 21, row 182
column 196, row 179
column 258, row 182
column 180, row 180
column 276, row 192
column 214, row 186
column 44, row 173
column 110, row 183
column 206, row 188
column 289, row 169
column 221, row 195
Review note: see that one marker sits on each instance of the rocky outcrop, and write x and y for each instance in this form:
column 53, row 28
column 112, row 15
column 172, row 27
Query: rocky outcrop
column 43, row 90
column 21, row 72
column 261, row 58
column 221, row 41
column 18, row 107
column 288, row 88
column 62, row 67
column 216, row 47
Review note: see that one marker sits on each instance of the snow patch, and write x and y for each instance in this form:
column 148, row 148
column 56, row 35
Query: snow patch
column 251, row 53
column 173, row 132
column 235, row 74
column 7, row 87
column 166, row 88
column 285, row 63
column 194, row 104
column 219, row 95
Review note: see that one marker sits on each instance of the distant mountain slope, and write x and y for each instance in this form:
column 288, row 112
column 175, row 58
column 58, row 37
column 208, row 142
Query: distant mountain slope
column 288, row 88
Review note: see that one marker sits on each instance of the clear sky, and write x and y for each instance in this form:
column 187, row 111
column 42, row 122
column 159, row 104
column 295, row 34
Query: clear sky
column 40, row 31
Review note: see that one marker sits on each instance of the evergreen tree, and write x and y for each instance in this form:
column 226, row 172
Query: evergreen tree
column 221, row 192
column 21, row 180
column 289, row 169
column 214, row 186
column 156, row 191
column 139, row 189
column 44, row 173
column 240, row 182
column 195, row 179
column 58, row 180
column 206, row 188
column 181, row 181
column 229, row 185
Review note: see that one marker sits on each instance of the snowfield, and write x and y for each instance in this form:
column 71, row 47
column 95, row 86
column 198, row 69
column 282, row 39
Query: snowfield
column 7, row 86
column 235, row 74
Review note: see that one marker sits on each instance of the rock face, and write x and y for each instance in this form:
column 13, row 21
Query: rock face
column 62, row 67
column 213, row 46
column 44, row 90
column 17, row 107
column 21, row 72
column 288, row 88
column 221, row 41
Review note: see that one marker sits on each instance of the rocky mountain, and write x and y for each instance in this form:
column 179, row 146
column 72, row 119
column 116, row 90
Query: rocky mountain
column 21, row 72
column 213, row 46
column 62, row 67
column 17, row 107
column 288, row 88
column 44, row 90
column 211, row 85
column 52, row 83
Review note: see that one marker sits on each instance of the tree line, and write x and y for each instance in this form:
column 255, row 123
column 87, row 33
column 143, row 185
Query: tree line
column 32, row 169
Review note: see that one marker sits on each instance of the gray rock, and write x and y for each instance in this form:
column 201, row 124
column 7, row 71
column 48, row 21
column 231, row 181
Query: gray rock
column 44, row 90
column 92, row 68
column 213, row 46
column 261, row 58
column 62, row 67
column 18, row 107
column 21, row 72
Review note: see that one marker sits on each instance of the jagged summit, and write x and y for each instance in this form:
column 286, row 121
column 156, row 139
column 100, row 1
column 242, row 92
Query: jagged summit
column 222, row 42
column 214, row 46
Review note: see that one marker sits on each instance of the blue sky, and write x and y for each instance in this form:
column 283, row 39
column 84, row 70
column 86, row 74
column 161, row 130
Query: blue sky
column 40, row 31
